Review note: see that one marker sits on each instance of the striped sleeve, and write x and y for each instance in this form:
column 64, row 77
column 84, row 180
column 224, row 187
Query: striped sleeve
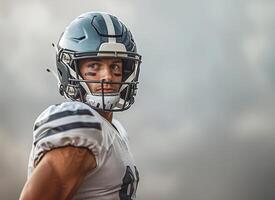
column 66, row 124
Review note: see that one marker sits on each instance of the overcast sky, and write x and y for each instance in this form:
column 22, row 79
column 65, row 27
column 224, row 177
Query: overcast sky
column 202, row 127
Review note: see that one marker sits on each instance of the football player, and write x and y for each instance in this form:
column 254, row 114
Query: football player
column 79, row 151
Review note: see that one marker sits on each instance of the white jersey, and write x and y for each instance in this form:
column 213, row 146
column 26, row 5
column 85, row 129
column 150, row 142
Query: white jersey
column 76, row 124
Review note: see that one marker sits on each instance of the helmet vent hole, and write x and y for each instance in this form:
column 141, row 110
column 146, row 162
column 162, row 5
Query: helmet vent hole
column 78, row 39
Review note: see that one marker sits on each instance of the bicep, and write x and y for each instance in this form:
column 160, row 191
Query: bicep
column 59, row 173
column 68, row 162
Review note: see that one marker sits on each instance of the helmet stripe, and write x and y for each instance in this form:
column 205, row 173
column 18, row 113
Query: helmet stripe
column 119, row 28
column 110, row 27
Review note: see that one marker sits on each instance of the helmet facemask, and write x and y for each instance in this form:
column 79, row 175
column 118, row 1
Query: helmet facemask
column 76, row 88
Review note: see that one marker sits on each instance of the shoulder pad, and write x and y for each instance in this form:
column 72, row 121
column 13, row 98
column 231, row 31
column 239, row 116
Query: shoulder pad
column 64, row 117
column 67, row 124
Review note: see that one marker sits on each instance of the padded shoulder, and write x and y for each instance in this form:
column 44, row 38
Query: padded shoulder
column 59, row 111
column 67, row 124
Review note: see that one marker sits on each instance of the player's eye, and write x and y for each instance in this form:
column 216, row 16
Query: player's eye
column 94, row 66
column 117, row 69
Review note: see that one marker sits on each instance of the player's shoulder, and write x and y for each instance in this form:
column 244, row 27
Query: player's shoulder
column 65, row 107
column 69, row 110
column 69, row 123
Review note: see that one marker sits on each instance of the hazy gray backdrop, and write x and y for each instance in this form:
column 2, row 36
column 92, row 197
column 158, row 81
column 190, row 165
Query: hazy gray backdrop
column 203, row 124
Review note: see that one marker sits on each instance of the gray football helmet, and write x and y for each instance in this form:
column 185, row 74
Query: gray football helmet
column 97, row 35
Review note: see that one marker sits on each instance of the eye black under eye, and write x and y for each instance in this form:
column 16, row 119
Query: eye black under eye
column 90, row 74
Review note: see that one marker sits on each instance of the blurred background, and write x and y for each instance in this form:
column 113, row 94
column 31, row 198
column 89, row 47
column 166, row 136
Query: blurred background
column 203, row 124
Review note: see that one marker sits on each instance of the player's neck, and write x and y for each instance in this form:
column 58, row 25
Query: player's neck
column 107, row 115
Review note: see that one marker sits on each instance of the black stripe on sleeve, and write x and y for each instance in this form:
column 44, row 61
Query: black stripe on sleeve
column 61, row 115
column 66, row 127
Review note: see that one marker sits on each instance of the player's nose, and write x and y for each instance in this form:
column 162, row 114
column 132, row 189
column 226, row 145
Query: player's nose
column 106, row 73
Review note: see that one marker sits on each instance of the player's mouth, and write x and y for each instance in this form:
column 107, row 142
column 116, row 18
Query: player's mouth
column 106, row 90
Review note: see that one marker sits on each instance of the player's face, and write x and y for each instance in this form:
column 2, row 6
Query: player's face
column 107, row 69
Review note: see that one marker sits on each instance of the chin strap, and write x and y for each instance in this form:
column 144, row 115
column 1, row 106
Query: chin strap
column 97, row 101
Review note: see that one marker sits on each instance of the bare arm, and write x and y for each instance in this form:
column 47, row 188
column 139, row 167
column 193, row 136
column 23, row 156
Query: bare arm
column 59, row 174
